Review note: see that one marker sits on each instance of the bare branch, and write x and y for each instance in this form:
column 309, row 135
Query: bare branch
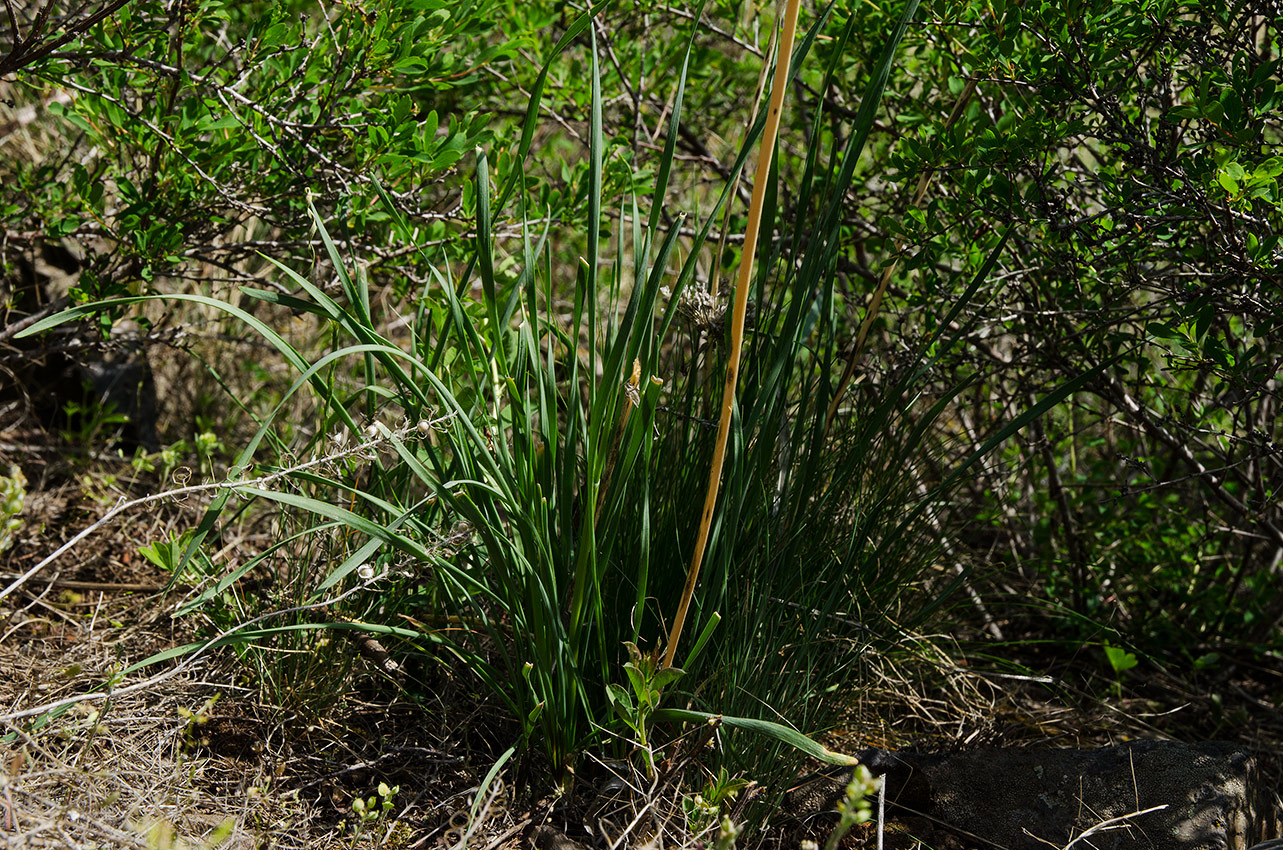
column 234, row 484
column 20, row 57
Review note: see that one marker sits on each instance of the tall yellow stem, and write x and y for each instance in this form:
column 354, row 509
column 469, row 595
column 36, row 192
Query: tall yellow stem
column 769, row 134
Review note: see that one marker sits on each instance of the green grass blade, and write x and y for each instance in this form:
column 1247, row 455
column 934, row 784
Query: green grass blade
column 770, row 729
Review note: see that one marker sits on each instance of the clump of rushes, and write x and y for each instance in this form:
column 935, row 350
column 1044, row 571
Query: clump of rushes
column 544, row 521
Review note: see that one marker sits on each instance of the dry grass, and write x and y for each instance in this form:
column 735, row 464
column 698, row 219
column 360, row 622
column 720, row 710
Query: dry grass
column 129, row 772
column 112, row 772
column 198, row 763
column 202, row 759
column 197, row 759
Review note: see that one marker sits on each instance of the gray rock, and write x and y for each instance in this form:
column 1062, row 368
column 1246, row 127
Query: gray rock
column 1032, row 799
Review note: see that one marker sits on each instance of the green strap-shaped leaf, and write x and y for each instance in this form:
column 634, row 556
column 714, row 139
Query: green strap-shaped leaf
column 781, row 733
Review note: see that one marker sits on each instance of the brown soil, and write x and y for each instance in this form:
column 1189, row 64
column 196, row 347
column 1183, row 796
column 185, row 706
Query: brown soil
column 197, row 753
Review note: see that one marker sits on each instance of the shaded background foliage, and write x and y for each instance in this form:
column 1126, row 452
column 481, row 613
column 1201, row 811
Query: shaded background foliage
column 1136, row 146
column 189, row 134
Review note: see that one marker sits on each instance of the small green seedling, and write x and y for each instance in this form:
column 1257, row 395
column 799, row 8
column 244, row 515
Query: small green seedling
column 704, row 810
column 371, row 811
column 168, row 555
column 1121, row 661
column 854, row 807
column 13, row 494
column 648, row 681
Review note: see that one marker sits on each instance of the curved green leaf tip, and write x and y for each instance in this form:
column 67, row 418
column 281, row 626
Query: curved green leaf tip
column 779, row 732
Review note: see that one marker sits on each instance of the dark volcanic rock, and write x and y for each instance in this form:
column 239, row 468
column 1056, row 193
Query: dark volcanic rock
column 1036, row 798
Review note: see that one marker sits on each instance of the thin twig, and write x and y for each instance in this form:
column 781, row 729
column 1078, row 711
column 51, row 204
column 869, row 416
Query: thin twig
column 121, row 506
column 190, row 660
column 1113, row 823
column 13, row 23
column 18, row 57
column 508, row 833
column 50, row 308
column 882, row 808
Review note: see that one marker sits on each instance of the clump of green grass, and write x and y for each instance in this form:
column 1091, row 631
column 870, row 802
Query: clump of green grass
column 525, row 499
